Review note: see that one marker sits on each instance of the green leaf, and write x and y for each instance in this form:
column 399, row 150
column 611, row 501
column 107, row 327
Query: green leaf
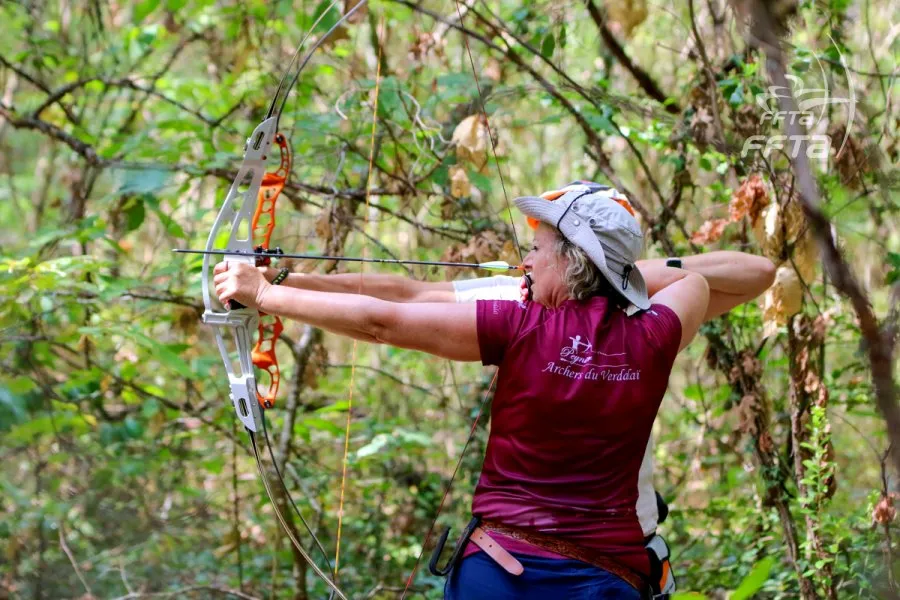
column 373, row 447
column 148, row 35
column 172, row 227
column 548, row 45
column 12, row 403
column 150, row 407
column 134, row 213
column 162, row 353
column 754, row 580
column 143, row 9
column 143, row 181
column 340, row 406
column 693, row 392
column 214, row 465
column 893, row 259
column 133, row 428
column 323, row 425
column 600, row 122
column 330, row 19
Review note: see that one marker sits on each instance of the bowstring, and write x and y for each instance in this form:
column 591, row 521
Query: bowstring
column 488, row 392
column 309, row 56
column 337, row 551
column 280, row 477
column 487, row 126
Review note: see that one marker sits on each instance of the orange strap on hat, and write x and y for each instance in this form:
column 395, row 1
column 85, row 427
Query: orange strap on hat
column 616, row 197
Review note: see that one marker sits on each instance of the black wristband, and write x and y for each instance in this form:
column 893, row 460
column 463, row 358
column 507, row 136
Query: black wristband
column 282, row 275
column 674, row 262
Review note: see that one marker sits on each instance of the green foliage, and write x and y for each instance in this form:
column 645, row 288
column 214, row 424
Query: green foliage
column 121, row 127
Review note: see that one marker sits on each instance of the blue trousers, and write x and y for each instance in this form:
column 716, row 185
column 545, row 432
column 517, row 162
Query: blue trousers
column 478, row 577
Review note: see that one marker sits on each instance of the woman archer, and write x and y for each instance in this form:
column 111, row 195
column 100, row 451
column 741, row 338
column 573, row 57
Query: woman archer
column 570, row 422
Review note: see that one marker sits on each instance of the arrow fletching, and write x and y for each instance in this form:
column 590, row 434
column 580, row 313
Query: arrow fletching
column 497, row 265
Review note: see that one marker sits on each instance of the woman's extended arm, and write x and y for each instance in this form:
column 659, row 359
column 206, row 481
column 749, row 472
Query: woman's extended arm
column 733, row 277
column 395, row 288
column 445, row 330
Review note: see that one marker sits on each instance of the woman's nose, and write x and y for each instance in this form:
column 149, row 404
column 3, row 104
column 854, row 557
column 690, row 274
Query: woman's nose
column 528, row 262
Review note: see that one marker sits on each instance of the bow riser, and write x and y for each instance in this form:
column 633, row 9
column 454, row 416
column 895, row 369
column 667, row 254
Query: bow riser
column 242, row 381
column 238, row 211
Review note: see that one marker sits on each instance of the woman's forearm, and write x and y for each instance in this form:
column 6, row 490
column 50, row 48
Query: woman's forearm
column 733, row 277
column 445, row 330
column 735, row 273
column 394, row 288
column 348, row 314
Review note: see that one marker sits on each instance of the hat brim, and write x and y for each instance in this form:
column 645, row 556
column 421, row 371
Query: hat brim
column 581, row 234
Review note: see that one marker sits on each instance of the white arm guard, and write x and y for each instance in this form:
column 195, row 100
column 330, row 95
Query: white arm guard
column 500, row 287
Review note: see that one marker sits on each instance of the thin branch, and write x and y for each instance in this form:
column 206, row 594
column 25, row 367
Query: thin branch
column 642, row 77
column 71, row 557
column 180, row 593
column 55, row 96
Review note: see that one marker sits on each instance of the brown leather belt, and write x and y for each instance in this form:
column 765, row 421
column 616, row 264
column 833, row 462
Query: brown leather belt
column 569, row 550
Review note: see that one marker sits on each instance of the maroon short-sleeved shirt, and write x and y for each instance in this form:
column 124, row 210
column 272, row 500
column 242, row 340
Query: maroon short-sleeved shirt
column 577, row 391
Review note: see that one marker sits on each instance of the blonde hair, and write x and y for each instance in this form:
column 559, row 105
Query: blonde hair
column 583, row 278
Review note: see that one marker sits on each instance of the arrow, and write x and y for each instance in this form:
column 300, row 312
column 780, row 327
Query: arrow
column 494, row 265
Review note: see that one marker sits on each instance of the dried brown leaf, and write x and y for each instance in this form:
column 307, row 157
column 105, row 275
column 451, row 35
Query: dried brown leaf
column 750, row 199
column 747, row 411
column 323, row 225
column 884, row 511
column 471, row 139
column 483, row 247
column 627, row 14
column 769, row 233
column 806, row 257
column 783, row 299
column 710, row 231
column 460, row 187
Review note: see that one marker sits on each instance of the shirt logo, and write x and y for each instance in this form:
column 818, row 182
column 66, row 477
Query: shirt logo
column 582, row 353
column 579, row 361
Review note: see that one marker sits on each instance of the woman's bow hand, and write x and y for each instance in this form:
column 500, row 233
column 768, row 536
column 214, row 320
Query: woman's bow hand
column 525, row 288
column 241, row 282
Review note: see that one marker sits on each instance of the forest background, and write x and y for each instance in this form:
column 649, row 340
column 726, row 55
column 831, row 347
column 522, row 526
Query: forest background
column 124, row 474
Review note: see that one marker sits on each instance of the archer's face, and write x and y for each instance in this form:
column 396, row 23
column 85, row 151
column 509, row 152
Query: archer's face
column 547, row 268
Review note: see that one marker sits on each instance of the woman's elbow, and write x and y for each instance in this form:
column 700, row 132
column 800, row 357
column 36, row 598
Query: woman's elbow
column 380, row 323
column 765, row 273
